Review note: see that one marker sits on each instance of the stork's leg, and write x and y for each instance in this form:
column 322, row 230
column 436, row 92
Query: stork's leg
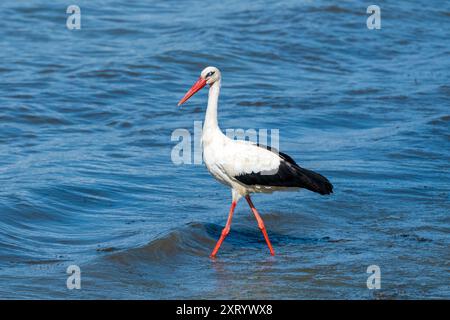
column 225, row 230
column 260, row 223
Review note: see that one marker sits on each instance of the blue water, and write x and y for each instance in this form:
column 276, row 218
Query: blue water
column 86, row 176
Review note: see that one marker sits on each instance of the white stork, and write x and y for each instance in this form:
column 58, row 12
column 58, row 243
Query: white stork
column 244, row 166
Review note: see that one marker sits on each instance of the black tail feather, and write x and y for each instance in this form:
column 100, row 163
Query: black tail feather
column 313, row 181
column 308, row 179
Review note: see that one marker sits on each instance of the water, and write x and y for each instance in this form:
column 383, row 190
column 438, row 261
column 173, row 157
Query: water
column 86, row 118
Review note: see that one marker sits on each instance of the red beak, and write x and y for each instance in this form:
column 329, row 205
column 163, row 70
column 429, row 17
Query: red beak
column 195, row 88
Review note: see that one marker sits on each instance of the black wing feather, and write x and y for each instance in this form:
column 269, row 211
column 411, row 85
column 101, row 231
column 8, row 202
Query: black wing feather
column 289, row 175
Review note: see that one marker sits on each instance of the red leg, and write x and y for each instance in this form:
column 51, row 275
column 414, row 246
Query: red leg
column 260, row 224
column 225, row 230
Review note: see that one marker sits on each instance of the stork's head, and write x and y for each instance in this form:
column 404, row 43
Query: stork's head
column 209, row 75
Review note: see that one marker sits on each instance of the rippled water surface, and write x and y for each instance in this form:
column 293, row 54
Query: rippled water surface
column 86, row 177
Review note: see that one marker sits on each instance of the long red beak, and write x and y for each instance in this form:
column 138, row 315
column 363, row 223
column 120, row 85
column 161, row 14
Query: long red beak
column 195, row 88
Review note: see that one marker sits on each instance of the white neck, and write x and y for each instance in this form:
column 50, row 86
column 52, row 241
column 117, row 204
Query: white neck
column 211, row 110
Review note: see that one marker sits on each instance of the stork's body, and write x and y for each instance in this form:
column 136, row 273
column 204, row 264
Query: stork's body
column 246, row 167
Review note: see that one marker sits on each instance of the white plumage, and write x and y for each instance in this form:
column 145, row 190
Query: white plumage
column 226, row 159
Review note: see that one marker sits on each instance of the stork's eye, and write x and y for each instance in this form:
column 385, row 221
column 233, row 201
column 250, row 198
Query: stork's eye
column 209, row 74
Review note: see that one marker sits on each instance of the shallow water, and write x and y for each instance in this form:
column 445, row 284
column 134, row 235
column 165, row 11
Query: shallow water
column 86, row 177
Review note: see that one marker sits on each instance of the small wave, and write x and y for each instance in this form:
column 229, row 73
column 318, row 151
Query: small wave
column 442, row 120
column 414, row 237
column 332, row 9
column 192, row 239
column 197, row 239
